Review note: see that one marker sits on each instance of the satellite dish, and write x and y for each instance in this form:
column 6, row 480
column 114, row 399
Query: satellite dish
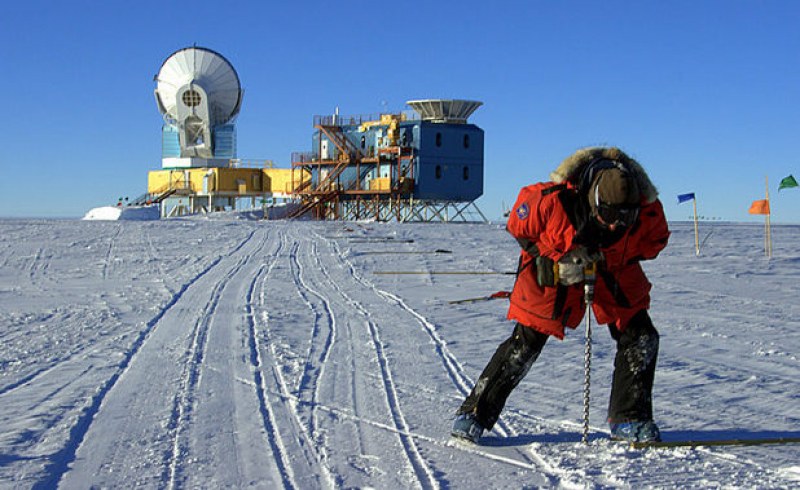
column 454, row 111
column 197, row 90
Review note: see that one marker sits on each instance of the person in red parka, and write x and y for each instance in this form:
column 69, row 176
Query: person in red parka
column 600, row 208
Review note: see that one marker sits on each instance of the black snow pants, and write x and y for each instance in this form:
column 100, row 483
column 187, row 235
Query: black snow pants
column 632, row 385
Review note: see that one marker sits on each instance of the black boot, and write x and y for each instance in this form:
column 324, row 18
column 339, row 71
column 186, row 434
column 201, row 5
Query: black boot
column 509, row 364
column 634, row 371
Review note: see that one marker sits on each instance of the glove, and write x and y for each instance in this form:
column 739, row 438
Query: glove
column 572, row 265
column 569, row 273
column 582, row 255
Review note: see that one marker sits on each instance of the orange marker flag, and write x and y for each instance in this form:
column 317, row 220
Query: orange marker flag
column 759, row 207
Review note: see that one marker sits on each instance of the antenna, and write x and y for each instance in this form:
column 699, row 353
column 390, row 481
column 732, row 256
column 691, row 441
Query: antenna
column 453, row 111
column 197, row 90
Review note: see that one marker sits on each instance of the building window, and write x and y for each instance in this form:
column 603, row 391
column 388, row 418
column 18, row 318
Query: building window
column 363, row 142
column 438, row 171
column 466, row 141
column 466, row 172
column 438, row 139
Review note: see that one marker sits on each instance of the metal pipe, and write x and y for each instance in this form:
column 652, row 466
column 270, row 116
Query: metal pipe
column 588, row 296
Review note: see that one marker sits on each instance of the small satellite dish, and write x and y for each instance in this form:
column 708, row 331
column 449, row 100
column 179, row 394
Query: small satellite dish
column 453, row 111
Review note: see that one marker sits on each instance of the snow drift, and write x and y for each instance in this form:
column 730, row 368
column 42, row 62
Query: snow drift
column 115, row 213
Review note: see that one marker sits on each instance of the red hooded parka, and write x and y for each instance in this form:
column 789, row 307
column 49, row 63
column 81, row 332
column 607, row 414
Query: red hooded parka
column 621, row 289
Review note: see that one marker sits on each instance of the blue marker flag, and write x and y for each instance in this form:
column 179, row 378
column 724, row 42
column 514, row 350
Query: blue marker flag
column 685, row 197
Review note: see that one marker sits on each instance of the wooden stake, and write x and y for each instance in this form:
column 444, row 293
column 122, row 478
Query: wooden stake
column 768, row 234
column 696, row 237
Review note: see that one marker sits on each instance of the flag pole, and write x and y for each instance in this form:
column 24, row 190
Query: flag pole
column 768, row 235
column 696, row 238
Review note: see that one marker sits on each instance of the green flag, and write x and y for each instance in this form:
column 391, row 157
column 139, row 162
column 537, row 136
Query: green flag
column 787, row 182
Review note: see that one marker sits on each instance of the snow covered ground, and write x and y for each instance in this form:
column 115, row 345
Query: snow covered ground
column 237, row 353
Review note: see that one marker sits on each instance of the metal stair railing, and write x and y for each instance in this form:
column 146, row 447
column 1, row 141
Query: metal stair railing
column 342, row 142
column 164, row 195
column 312, row 202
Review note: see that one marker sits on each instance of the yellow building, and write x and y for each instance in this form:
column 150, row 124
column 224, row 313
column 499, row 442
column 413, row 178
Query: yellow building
column 208, row 189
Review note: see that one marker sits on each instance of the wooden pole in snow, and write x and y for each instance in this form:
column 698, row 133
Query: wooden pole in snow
column 696, row 237
column 768, row 233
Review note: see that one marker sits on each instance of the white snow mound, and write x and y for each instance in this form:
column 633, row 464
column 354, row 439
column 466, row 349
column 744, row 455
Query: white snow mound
column 114, row 213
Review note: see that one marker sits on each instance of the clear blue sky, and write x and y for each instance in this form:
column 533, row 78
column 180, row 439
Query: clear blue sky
column 705, row 94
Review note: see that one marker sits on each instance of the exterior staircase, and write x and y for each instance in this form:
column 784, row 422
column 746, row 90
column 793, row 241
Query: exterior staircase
column 325, row 191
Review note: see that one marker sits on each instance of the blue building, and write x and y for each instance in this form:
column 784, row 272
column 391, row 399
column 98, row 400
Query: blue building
column 421, row 165
column 223, row 137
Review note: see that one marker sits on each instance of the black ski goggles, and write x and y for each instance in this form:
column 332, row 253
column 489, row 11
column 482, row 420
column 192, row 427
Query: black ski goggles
column 616, row 215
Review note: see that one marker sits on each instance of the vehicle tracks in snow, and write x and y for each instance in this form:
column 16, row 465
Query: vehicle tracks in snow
column 131, row 408
column 318, row 352
column 421, row 467
column 526, row 457
column 338, row 346
column 192, row 361
column 281, row 365
column 288, row 435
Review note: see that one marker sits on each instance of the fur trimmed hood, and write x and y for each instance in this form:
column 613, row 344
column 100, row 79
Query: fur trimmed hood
column 570, row 169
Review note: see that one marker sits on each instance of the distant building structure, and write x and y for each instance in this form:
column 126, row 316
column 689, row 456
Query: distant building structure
column 425, row 165
column 420, row 165
column 199, row 95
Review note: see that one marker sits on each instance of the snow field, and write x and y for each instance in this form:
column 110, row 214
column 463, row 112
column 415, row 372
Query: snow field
column 235, row 353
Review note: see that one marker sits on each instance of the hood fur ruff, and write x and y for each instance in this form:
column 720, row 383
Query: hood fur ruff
column 570, row 168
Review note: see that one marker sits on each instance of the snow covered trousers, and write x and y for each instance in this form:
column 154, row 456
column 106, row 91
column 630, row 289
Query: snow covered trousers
column 632, row 384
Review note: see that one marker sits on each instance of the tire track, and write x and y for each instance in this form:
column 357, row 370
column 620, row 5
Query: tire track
column 314, row 367
column 110, row 252
column 79, row 354
column 193, row 360
column 356, row 400
column 317, row 469
column 452, row 367
column 265, row 408
column 38, row 269
column 343, row 413
column 34, row 265
column 422, row 470
column 61, row 460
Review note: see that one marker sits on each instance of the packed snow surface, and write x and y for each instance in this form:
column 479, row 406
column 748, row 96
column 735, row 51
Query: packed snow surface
column 224, row 353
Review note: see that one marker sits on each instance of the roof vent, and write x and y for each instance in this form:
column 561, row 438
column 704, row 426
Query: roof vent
column 451, row 111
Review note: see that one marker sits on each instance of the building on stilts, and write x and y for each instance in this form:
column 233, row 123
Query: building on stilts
column 419, row 165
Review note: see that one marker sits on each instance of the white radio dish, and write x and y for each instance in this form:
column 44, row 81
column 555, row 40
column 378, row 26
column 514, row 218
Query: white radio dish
column 197, row 90
column 203, row 68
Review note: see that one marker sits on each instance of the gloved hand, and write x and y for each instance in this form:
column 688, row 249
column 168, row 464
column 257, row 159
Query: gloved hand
column 569, row 273
column 572, row 265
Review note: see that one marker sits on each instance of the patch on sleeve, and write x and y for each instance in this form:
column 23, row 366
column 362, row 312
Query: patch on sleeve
column 522, row 211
